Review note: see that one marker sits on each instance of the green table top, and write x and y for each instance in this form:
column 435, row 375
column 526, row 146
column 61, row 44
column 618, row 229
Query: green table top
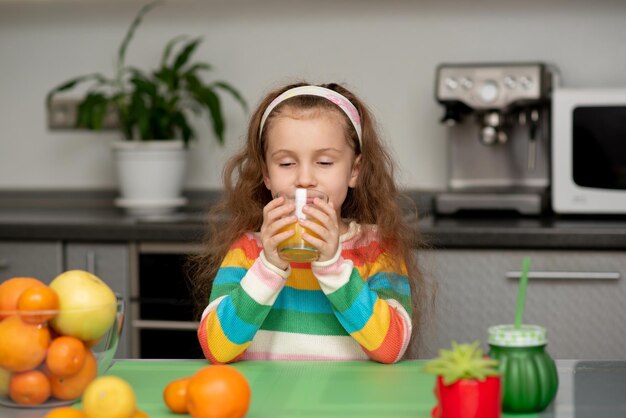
column 301, row 389
column 587, row 389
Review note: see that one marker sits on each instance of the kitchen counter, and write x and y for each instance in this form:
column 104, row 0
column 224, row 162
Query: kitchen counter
column 587, row 389
column 71, row 219
column 436, row 232
column 548, row 232
column 107, row 224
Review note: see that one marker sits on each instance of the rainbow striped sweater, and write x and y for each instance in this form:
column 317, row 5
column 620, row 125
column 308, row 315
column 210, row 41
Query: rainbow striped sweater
column 352, row 307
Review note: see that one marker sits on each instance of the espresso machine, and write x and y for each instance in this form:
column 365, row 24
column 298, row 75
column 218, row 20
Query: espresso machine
column 498, row 125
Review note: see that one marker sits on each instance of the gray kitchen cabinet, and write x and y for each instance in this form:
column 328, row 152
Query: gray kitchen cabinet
column 579, row 296
column 42, row 260
column 111, row 263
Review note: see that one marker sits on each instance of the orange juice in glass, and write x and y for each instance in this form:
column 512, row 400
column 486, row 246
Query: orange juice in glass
column 296, row 248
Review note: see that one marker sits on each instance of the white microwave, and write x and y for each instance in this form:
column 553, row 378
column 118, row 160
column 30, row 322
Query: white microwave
column 589, row 151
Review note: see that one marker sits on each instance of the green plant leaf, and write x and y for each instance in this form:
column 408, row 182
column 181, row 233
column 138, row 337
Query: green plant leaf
column 92, row 110
column 168, row 77
column 141, row 117
column 131, row 32
column 463, row 361
column 184, row 55
column 186, row 132
column 99, row 111
column 234, row 92
column 144, row 86
column 168, row 49
column 211, row 101
column 70, row 84
column 196, row 67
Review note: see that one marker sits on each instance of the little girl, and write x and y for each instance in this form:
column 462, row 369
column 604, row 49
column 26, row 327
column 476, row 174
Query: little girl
column 362, row 298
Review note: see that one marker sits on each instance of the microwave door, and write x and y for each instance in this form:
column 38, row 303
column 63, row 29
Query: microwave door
column 599, row 147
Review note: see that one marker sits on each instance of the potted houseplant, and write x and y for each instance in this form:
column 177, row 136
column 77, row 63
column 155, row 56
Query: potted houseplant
column 152, row 111
column 468, row 383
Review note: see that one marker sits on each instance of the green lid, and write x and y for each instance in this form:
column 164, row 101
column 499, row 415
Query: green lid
column 524, row 336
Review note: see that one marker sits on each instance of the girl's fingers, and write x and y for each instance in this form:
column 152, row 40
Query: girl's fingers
column 321, row 222
column 271, row 242
column 314, row 212
column 278, row 238
column 273, row 204
column 314, row 227
column 326, row 236
column 275, row 226
column 327, row 207
column 316, row 242
column 327, row 250
column 275, row 213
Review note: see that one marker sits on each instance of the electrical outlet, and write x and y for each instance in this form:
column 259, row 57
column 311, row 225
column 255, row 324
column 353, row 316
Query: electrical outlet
column 63, row 111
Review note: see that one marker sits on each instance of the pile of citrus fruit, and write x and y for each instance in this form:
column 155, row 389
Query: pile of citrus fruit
column 46, row 335
column 217, row 391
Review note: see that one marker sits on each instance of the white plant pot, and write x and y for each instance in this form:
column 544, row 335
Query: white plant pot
column 151, row 176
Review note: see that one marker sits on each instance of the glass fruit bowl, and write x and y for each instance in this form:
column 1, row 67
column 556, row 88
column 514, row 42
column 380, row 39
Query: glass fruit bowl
column 47, row 358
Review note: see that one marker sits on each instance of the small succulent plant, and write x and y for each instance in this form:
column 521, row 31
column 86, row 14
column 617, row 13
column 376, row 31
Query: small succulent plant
column 464, row 361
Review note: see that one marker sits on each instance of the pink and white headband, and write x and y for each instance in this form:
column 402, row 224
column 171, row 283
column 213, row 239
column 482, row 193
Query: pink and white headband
column 341, row 101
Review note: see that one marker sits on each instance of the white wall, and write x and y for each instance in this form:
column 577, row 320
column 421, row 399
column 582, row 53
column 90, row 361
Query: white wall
column 384, row 50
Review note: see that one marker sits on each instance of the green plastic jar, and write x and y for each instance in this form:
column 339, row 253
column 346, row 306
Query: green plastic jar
column 529, row 377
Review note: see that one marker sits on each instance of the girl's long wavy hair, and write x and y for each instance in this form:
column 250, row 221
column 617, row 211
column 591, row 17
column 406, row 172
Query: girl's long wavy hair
column 375, row 200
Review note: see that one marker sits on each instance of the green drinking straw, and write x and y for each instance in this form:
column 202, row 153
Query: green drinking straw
column 521, row 292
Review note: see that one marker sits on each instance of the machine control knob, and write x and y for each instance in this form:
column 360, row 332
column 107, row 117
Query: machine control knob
column 488, row 135
column 510, row 82
column 488, row 91
column 492, row 119
column 502, row 137
column 526, row 82
column 451, row 83
column 466, row 83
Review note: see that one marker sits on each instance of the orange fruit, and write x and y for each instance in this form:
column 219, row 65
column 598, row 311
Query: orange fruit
column 65, row 412
column 71, row 387
column 139, row 414
column 92, row 343
column 109, row 397
column 22, row 346
column 218, row 391
column 29, row 388
column 10, row 291
column 175, row 395
column 5, row 378
column 37, row 305
column 66, row 356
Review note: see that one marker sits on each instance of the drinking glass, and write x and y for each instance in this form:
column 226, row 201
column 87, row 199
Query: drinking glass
column 296, row 248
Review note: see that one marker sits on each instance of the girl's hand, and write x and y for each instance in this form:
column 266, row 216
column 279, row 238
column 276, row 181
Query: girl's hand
column 276, row 216
column 327, row 228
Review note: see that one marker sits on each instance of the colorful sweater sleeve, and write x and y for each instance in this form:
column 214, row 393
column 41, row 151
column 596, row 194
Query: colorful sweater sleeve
column 243, row 292
column 376, row 311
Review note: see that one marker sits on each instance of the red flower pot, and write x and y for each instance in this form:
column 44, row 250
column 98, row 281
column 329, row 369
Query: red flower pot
column 468, row 398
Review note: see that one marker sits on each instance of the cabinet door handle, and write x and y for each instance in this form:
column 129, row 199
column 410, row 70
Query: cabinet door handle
column 565, row 275
column 4, row 264
column 155, row 324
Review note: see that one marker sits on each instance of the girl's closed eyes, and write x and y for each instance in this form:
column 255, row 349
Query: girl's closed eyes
column 291, row 163
column 326, row 160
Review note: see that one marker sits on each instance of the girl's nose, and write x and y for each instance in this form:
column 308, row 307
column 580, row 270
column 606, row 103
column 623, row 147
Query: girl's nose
column 305, row 177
